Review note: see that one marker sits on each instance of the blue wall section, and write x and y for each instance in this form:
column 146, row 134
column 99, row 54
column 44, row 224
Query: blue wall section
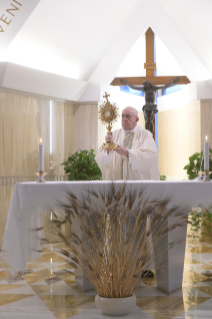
column 126, row 89
column 172, row 89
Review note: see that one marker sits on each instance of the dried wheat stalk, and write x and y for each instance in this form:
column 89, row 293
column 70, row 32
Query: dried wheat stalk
column 120, row 229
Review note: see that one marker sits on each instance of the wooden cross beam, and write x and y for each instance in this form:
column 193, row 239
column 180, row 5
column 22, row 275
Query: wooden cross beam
column 150, row 67
column 150, row 53
column 155, row 80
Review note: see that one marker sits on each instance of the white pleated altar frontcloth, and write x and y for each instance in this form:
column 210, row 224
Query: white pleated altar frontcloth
column 30, row 199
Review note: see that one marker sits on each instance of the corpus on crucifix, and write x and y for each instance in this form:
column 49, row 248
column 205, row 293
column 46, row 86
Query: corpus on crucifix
column 151, row 83
column 150, row 108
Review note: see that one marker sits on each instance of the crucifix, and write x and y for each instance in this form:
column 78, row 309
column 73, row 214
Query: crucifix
column 150, row 84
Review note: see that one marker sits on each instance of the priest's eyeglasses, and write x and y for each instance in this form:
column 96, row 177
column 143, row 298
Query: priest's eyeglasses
column 127, row 116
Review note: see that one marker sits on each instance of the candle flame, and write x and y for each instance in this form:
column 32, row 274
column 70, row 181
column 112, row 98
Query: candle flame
column 206, row 137
column 40, row 140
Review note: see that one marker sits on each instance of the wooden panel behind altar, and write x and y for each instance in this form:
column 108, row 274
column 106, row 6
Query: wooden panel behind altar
column 57, row 155
column 18, row 134
column 85, row 127
column 23, row 120
column 206, row 122
column 5, row 196
column 43, row 128
column 179, row 136
column 68, row 133
column 21, row 124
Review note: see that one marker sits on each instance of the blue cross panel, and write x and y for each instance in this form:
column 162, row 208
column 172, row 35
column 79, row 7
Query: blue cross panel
column 172, row 89
column 126, row 89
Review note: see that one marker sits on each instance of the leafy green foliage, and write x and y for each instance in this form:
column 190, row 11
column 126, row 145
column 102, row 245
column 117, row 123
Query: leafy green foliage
column 207, row 219
column 200, row 221
column 193, row 167
column 196, row 219
column 81, row 166
column 162, row 177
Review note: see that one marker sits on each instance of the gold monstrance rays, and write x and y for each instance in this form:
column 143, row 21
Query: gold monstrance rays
column 108, row 114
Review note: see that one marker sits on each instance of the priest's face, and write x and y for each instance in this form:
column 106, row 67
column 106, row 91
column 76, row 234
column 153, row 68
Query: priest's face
column 129, row 118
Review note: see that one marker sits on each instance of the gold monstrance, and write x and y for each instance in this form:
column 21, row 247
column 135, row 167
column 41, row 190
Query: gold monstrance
column 108, row 114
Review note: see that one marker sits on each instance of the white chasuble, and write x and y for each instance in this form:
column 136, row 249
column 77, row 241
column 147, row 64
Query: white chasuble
column 142, row 163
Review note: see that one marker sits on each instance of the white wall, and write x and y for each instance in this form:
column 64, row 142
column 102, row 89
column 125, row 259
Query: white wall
column 188, row 93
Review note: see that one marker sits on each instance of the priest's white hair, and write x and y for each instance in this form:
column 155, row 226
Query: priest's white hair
column 132, row 108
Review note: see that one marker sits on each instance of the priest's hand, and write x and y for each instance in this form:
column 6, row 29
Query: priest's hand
column 109, row 138
column 122, row 150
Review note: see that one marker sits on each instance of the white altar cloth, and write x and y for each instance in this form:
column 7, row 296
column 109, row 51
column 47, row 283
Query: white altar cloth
column 29, row 199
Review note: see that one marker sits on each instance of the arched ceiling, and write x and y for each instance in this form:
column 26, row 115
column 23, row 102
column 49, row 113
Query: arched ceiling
column 90, row 41
column 133, row 63
column 192, row 19
column 69, row 37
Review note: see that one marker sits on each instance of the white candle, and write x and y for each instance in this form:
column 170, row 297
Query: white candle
column 206, row 154
column 41, row 158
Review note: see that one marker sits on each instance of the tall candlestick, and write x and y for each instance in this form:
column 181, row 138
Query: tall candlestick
column 206, row 154
column 41, row 158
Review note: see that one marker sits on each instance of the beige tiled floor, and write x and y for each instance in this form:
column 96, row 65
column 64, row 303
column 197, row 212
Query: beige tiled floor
column 48, row 291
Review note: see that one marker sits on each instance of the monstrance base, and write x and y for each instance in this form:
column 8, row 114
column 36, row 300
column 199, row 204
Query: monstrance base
column 110, row 146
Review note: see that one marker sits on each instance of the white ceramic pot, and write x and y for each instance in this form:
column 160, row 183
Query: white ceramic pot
column 115, row 306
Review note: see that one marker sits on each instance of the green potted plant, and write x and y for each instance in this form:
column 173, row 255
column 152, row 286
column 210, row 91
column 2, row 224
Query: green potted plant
column 201, row 218
column 195, row 161
column 81, row 166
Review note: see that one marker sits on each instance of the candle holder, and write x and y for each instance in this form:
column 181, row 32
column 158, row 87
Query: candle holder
column 41, row 175
column 206, row 176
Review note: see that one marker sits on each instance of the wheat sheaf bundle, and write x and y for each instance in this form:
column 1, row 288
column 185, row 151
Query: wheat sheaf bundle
column 118, row 231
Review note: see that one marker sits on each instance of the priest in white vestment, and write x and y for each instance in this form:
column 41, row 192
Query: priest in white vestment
column 136, row 156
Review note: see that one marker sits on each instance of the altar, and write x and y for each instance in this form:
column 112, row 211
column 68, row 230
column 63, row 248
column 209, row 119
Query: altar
column 30, row 200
